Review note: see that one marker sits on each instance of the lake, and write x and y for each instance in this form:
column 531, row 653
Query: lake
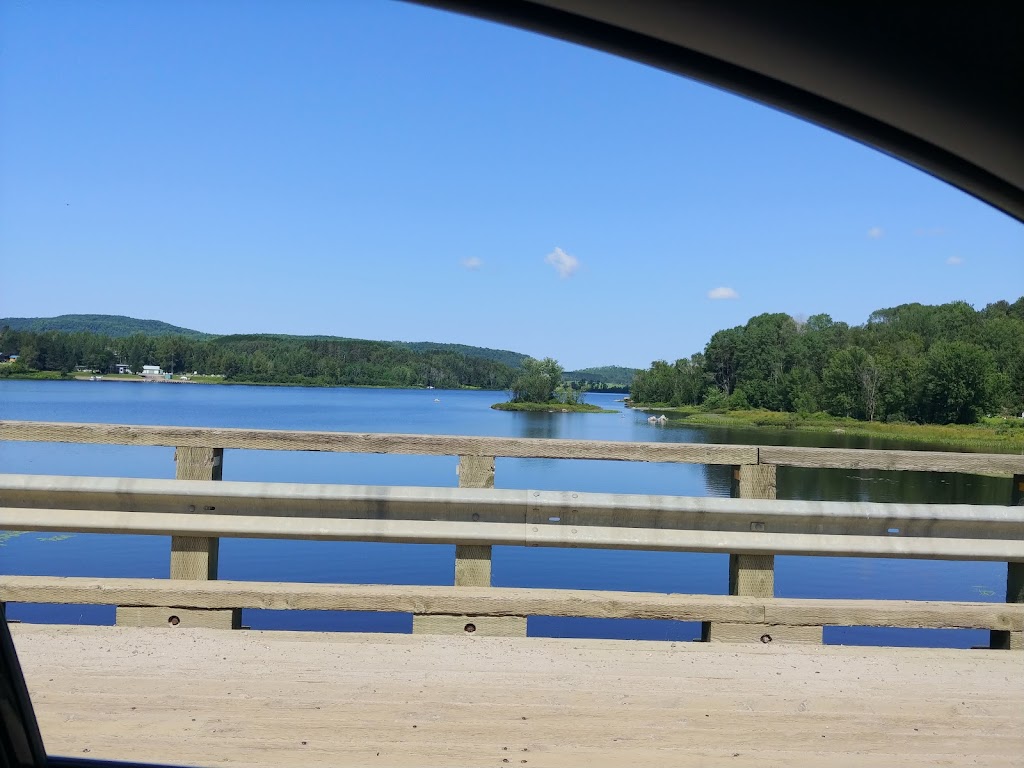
column 466, row 413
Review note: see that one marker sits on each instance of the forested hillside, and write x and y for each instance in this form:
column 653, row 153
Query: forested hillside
column 934, row 364
column 503, row 356
column 119, row 326
column 256, row 358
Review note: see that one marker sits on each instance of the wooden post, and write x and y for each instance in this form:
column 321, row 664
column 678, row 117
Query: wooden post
column 754, row 575
column 473, row 563
column 195, row 557
column 1014, row 579
column 192, row 557
column 472, row 569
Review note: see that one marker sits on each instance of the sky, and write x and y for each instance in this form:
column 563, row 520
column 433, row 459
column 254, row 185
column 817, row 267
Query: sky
column 374, row 169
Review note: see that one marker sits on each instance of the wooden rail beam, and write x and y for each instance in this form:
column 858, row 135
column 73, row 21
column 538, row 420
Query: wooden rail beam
column 353, row 442
column 456, row 445
column 504, row 601
column 1001, row 464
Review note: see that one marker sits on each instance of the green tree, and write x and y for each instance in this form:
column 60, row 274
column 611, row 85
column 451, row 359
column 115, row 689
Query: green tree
column 722, row 358
column 955, row 382
column 850, row 384
column 537, row 382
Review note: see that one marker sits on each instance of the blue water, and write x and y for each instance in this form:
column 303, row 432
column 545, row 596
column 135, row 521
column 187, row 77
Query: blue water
column 467, row 413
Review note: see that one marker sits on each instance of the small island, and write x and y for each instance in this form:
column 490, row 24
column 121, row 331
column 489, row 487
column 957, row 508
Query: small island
column 541, row 388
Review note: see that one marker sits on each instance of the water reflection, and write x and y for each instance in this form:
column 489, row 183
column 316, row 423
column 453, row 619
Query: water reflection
column 540, row 425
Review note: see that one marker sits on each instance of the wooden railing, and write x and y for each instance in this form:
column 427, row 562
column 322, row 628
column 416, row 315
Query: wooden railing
column 752, row 528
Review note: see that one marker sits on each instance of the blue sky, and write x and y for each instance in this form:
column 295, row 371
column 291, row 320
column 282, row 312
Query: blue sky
column 373, row 169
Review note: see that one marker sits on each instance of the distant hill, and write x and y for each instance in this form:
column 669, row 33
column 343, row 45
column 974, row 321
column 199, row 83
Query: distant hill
column 612, row 375
column 115, row 326
column 503, row 356
column 119, row 326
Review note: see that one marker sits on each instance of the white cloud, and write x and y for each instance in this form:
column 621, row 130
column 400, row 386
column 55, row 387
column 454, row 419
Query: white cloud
column 722, row 293
column 564, row 263
column 472, row 263
column 875, row 232
column 954, row 261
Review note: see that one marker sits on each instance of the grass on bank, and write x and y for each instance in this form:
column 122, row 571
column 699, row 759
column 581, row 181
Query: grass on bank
column 994, row 433
column 551, row 407
column 36, row 376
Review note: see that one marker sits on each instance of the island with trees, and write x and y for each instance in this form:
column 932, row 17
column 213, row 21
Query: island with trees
column 540, row 386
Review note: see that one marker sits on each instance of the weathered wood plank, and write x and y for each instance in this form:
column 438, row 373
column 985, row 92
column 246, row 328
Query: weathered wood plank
column 508, row 534
column 352, row 442
column 917, row 461
column 504, row 601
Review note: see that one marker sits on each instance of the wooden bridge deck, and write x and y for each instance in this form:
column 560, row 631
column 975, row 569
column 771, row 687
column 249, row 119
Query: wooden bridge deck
column 208, row 697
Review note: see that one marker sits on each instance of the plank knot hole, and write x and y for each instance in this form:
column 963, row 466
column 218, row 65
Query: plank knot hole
column 173, row 621
column 766, row 638
column 470, row 628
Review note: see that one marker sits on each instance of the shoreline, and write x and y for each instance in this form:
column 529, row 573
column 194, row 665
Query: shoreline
column 1002, row 435
column 550, row 408
column 207, row 380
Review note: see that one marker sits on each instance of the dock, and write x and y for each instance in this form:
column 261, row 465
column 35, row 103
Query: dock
column 271, row 698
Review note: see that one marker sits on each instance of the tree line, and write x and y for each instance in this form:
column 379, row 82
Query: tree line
column 256, row 358
column 943, row 364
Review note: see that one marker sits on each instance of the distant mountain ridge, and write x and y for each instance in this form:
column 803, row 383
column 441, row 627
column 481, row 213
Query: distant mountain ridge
column 612, row 375
column 115, row 326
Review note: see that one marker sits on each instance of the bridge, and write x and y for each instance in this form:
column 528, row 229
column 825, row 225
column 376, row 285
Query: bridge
column 177, row 680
